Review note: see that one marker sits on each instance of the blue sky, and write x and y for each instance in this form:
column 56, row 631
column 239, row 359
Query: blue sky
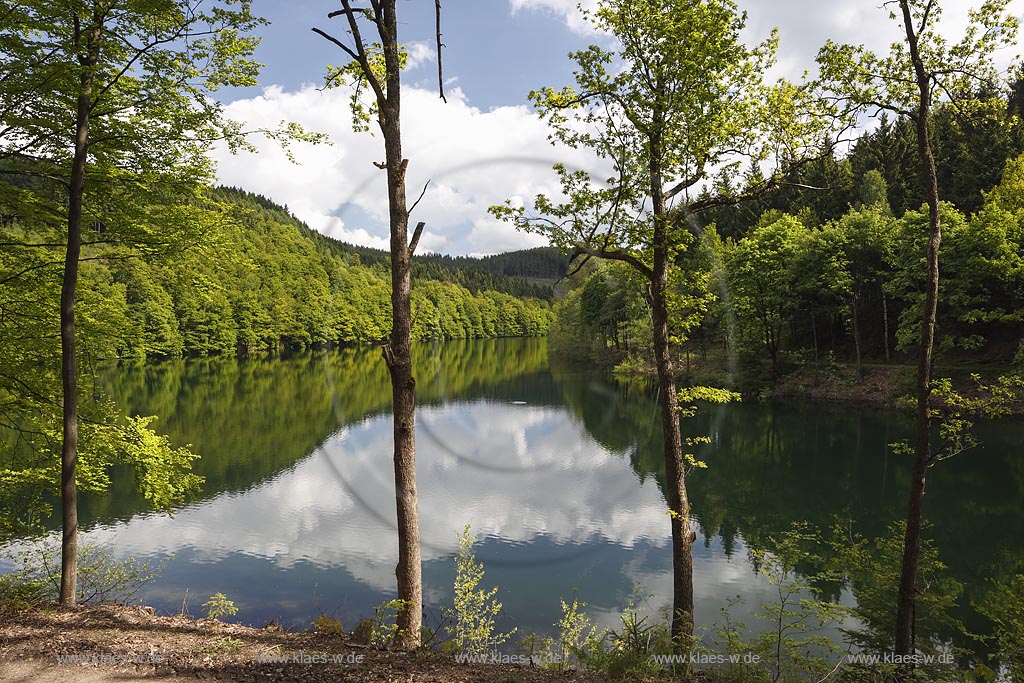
column 484, row 146
column 496, row 55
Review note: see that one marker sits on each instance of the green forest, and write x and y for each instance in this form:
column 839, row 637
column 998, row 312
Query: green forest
column 834, row 273
column 263, row 280
column 858, row 217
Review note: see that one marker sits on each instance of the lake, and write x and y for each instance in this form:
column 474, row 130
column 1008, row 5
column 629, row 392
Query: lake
column 559, row 473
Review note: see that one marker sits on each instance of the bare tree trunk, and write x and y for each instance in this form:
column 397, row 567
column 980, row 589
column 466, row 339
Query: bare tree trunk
column 856, row 340
column 679, row 504
column 885, row 324
column 814, row 334
column 68, row 363
column 682, row 536
column 773, row 354
column 398, row 353
column 912, row 538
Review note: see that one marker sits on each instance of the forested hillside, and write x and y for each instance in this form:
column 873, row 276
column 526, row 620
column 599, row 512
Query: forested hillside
column 971, row 148
column 506, row 272
column 262, row 279
column 831, row 265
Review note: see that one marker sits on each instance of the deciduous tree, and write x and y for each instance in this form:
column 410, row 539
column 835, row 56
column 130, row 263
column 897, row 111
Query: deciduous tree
column 377, row 66
column 908, row 81
column 107, row 121
column 677, row 102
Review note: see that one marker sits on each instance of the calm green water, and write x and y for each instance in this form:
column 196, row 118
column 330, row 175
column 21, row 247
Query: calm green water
column 558, row 472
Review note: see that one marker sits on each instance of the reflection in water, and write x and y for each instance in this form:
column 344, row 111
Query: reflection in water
column 559, row 473
column 524, row 476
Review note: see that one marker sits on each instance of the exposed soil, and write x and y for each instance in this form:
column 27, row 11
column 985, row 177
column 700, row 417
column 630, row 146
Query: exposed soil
column 888, row 387
column 131, row 644
column 880, row 387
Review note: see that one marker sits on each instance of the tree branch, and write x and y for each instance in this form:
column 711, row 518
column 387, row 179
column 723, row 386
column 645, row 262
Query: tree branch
column 440, row 69
column 637, row 264
column 337, row 42
column 416, row 238
column 416, row 203
column 687, row 182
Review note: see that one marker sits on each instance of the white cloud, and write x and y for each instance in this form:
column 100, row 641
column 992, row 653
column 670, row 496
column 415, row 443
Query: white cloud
column 567, row 9
column 505, row 468
column 804, row 25
column 476, row 158
column 419, row 54
column 472, row 158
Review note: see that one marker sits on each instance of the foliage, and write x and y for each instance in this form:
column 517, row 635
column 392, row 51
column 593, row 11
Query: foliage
column 474, row 610
column 524, row 274
column 384, row 627
column 883, row 82
column 577, row 640
column 264, row 280
column 804, row 570
column 794, row 647
column 219, row 606
column 762, row 277
column 872, row 568
column 846, row 287
column 603, row 316
column 1003, row 603
column 102, row 579
column 577, row 637
column 328, row 625
column 641, row 104
column 634, row 649
column 353, row 76
column 954, row 413
column 30, row 415
column 971, row 146
column 687, row 397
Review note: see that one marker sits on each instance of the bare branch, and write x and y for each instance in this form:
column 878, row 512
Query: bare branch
column 37, row 266
column 416, row 203
column 359, row 53
column 337, row 42
column 416, row 237
column 440, row 69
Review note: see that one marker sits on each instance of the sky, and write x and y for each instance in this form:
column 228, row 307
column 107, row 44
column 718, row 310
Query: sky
column 485, row 145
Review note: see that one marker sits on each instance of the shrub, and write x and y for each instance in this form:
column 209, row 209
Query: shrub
column 328, row 625
column 384, row 627
column 219, row 606
column 475, row 609
column 102, row 579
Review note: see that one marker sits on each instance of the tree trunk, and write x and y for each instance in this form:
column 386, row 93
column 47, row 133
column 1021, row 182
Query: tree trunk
column 398, row 353
column 814, row 334
column 885, row 324
column 675, row 472
column 682, row 537
column 912, row 538
column 856, row 340
column 68, row 363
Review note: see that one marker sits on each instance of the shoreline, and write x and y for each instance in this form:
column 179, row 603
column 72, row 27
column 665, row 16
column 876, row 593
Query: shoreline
column 883, row 386
column 126, row 644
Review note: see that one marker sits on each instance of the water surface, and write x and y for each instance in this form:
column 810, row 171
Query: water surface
column 558, row 471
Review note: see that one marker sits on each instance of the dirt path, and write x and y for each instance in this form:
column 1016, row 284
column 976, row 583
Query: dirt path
column 131, row 645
